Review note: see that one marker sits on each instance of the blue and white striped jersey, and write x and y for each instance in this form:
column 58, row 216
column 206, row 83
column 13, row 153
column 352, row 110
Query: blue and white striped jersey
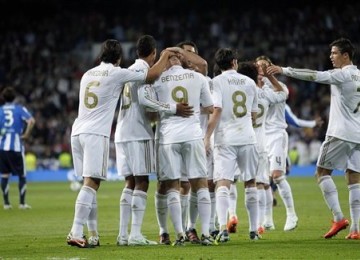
column 1, row 121
column 12, row 121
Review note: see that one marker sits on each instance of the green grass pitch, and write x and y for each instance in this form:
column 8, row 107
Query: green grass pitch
column 40, row 233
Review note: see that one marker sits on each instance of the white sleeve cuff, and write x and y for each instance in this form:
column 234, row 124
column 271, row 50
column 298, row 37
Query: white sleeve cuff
column 173, row 109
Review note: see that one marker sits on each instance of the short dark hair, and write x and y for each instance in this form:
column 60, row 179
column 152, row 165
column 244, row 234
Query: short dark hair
column 248, row 68
column 145, row 45
column 224, row 58
column 111, row 51
column 8, row 94
column 345, row 46
column 216, row 70
column 191, row 43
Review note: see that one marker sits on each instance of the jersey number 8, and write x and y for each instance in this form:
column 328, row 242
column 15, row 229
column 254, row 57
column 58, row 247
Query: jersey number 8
column 239, row 108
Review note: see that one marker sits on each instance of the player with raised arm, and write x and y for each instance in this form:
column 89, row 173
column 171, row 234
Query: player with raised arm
column 134, row 141
column 134, row 145
column 293, row 120
column 267, row 96
column 190, row 59
column 180, row 145
column 277, row 148
column 100, row 88
column 341, row 147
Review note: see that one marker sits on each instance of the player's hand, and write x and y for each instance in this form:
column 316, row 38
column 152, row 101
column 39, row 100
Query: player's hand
column 24, row 137
column 179, row 52
column 273, row 69
column 168, row 52
column 207, row 144
column 175, row 49
column 184, row 110
column 264, row 70
column 319, row 121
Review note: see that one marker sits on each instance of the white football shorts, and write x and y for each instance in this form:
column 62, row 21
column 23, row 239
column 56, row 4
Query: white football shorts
column 277, row 148
column 339, row 154
column 187, row 157
column 90, row 155
column 230, row 159
column 135, row 158
column 262, row 173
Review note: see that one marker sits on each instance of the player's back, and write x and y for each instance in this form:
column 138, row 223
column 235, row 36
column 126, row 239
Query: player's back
column 275, row 119
column 236, row 94
column 204, row 118
column 259, row 125
column 13, row 126
column 132, row 122
column 100, row 89
column 2, row 121
column 182, row 85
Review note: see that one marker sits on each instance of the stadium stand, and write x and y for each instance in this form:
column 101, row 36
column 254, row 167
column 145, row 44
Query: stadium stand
column 43, row 54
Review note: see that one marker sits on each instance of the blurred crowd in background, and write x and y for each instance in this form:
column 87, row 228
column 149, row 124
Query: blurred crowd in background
column 44, row 57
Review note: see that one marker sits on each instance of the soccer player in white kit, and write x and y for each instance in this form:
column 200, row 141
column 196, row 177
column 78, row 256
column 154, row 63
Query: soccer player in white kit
column 100, row 88
column 292, row 120
column 181, row 147
column 134, row 143
column 191, row 60
column 277, row 148
column 191, row 232
column 266, row 97
column 204, row 119
column 235, row 108
column 341, row 147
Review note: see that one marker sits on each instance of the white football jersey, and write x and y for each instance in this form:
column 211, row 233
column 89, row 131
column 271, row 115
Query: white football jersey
column 236, row 94
column 132, row 122
column 204, row 118
column 181, row 85
column 344, row 115
column 100, row 88
column 266, row 97
column 275, row 118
